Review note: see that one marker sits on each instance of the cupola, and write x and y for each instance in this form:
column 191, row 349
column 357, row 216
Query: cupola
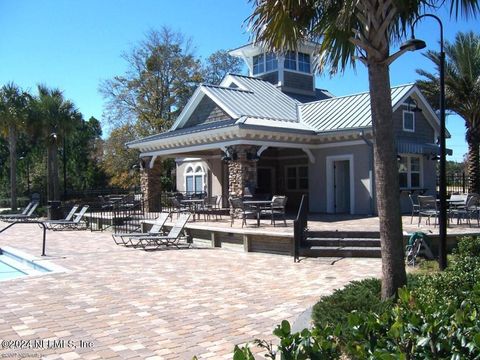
column 291, row 71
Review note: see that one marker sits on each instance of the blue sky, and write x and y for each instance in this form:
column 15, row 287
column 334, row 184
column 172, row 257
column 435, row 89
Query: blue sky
column 73, row 45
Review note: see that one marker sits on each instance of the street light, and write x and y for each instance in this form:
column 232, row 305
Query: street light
column 442, row 220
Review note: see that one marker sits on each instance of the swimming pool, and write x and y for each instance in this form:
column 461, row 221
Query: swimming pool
column 16, row 264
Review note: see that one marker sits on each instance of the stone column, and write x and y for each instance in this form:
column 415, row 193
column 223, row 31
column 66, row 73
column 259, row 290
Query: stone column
column 242, row 172
column 150, row 185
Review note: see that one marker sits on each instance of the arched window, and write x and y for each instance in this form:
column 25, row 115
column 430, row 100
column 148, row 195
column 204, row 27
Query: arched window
column 194, row 179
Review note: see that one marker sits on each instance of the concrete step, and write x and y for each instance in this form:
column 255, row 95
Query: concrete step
column 343, row 234
column 336, row 251
column 341, row 242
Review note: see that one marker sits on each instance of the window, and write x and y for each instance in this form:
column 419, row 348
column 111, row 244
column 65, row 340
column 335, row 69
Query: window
column 271, row 62
column 290, row 60
column 194, row 180
column 409, row 169
column 303, row 62
column 258, row 64
column 297, row 177
column 408, row 121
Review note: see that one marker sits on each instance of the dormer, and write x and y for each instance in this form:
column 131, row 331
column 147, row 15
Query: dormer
column 291, row 71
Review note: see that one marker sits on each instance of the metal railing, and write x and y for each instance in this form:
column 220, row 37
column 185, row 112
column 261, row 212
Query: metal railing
column 44, row 243
column 300, row 227
column 456, row 183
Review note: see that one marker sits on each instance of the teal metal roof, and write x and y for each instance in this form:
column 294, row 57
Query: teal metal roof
column 344, row 112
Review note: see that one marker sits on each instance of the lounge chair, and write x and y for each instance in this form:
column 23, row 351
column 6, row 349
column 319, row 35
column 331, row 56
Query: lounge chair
column 24, row 216
column 24, row 212
column 153, row 242
column 75, row 224
column 155, row 230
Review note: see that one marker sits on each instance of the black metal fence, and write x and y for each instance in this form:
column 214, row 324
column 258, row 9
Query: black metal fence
column 456, row 183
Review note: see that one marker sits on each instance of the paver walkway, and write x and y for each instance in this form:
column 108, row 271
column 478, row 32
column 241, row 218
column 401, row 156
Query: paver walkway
column 171, row 304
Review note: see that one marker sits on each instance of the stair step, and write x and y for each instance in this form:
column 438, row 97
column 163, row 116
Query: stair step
column 343, row 234
column 358, row 242
column 342, row 251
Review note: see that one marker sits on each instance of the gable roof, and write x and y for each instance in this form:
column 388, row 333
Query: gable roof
column 250, row 97
column 260, row 106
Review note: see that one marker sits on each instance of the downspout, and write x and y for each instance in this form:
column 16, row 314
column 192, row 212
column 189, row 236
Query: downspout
column 371, row 173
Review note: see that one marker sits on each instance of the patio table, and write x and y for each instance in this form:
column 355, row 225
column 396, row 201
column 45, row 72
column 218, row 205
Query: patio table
column 258, row 205
column 193, row 205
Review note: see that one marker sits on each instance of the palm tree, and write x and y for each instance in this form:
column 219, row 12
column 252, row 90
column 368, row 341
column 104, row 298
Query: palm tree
column 14, row 105
column 56, row 118
column 462, row 92
column 363, row 30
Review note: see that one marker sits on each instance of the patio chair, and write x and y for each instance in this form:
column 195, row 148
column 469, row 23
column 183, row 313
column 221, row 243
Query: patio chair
column 156, row 229
column 239, row 210
column 24, row 212
column 469, row 211
column 23, row 216
column 75, row 224
column 178, row 207
column 428, row 208
column 210, row 207
column 415, row 207
column 277, row 208
column 176, row 233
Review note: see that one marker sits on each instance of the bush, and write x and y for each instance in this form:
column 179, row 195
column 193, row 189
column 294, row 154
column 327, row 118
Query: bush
column 360, row 296
column 435, row 317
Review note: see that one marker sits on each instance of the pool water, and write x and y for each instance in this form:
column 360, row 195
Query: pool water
column 16, row 264
column 9, row 272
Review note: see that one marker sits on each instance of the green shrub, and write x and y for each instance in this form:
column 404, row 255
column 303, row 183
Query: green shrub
column 360, row 296
column 435, row 317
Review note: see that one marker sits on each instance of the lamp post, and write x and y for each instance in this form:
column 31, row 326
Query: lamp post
column 442, row 219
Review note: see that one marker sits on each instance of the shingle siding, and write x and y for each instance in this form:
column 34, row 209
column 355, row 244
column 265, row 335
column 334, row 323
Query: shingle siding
column 271, row 77
column 424, row 133
column 298, row 81
column 207, row 111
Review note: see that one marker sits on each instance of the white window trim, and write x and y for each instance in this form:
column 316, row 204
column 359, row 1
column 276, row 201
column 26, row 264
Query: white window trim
column 329, row 166
column 265, row 65
column 201, row 173
column 297, row 178
column 403, row 120
column 409, row 171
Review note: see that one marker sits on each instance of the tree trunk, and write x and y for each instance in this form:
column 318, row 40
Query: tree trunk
column 386, row 181
column 12, row 147
column 473, row 164
column 52, row 171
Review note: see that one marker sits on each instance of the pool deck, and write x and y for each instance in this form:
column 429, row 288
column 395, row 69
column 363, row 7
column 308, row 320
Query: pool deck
column 169, row 304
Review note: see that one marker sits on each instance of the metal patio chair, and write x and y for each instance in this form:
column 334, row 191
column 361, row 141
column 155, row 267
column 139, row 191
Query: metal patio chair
column 277, row 208
column 415, row 207
column 76, row 224
column 176, row 233
column 155, row 230
column 23, row 216
column 240, row 211
column 427, row 208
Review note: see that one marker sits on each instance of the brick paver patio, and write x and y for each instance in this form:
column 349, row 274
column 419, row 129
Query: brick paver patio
column 170, row 304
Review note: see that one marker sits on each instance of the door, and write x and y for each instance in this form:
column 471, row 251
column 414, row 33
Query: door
column 341, row 186
column 264, row 181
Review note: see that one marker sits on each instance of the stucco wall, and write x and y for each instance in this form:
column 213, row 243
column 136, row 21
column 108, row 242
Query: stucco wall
column 318, row 173
column 214, row 173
